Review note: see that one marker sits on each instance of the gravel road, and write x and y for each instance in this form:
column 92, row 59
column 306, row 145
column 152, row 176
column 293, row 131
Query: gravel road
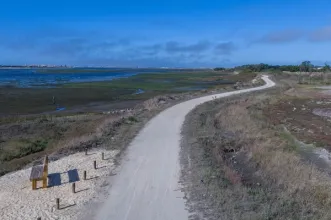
column 147, row 186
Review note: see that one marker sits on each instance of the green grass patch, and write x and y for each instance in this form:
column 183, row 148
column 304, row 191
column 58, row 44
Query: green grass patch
column 159, row 81
column 292, row 143
column 132, row 119
column 16, row 101
column 22, row 148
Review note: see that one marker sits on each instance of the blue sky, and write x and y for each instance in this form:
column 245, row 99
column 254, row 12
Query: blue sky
column 150, row 33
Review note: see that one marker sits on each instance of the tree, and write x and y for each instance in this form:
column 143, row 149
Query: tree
column 326, row 71
column 219, row 69
column 326, row 68
column 306, row 66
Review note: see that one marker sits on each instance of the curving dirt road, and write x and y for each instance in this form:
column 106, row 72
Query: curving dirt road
column 147, row 186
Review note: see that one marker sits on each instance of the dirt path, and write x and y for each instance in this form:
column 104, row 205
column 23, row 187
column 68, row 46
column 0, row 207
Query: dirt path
column 147, row 186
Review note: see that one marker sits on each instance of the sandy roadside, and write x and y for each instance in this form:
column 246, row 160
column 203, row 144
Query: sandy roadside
column 19, row 202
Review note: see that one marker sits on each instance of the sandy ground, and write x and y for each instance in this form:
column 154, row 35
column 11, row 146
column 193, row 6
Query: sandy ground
column 19, row 201
column 147, row 186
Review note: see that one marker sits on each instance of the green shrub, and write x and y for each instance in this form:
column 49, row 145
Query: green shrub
column 30, row 147
column 133, row 119
column 33, row 147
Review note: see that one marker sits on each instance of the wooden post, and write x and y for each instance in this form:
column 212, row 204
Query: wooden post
column 34, row 184
column 85, row 150
column 103, row 156
column 95, row 164
column 73, row 187
column 84, row 174
column 45, row 172
column 44, row 182
column 57, row 203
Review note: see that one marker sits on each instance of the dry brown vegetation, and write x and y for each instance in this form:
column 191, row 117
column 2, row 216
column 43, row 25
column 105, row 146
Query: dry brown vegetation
column 239, row 165
column 305, row 113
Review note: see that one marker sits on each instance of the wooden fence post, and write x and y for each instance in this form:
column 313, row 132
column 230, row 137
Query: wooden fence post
column 103, row 156
column 57, row 203
column 73, row 187
column 95, row 164
column 84, row 175
column 85, row 150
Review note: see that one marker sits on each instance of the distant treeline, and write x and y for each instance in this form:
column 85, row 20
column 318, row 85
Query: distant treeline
column 305, row 66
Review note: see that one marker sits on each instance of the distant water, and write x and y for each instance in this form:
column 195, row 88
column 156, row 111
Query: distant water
column 26, row 78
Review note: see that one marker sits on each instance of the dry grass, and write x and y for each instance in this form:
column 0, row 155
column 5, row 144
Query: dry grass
column 249, row 170
column 280, row 166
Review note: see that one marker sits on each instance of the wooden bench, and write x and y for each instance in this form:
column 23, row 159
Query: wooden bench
column 39, row 173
